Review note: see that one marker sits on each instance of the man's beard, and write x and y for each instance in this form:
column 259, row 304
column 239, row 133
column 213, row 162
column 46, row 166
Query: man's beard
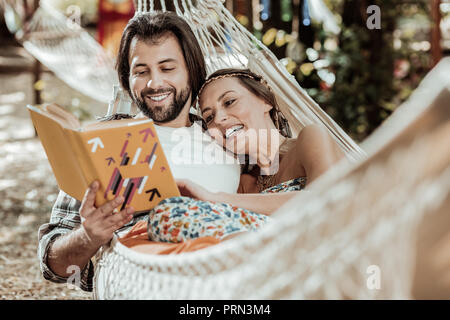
column 162, row 113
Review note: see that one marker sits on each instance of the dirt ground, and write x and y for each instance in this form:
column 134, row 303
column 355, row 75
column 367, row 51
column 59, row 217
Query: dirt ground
column 28, row 188
column 27, row 192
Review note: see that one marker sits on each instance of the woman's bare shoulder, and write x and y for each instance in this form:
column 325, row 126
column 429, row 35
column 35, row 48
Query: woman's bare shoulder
column 313, row 133
column 311, row 140
column 297, row 151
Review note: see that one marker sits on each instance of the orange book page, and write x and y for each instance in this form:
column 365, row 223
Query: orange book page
column 59, row 146
column 128, row 161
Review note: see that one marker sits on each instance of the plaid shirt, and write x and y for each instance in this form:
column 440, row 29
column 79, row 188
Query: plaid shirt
column 65, row 218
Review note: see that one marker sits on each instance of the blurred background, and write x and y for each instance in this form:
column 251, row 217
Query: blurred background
column 357, row 75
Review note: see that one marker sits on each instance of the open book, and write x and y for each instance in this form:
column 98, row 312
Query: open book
column 125, row 156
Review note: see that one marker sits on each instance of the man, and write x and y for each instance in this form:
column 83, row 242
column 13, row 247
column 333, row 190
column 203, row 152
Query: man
column 161, row 66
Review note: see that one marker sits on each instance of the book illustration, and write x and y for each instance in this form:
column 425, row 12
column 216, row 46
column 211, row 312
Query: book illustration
column 96, row 142
column 110, row 160
column 150, row 159
column 117, row 182
column 153, row 192
column 125, row 156
column 130, row 163
column 146, row 132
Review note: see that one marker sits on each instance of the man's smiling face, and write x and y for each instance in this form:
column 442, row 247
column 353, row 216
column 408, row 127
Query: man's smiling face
column 159, row 81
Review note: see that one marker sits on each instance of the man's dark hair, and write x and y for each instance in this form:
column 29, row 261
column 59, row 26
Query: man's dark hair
column 150, row 28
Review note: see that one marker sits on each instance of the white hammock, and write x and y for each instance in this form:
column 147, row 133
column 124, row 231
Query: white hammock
column 75, row 57
column 323, row 243
column 70, row 52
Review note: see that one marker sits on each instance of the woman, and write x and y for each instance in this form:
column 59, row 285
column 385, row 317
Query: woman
column 242, row 115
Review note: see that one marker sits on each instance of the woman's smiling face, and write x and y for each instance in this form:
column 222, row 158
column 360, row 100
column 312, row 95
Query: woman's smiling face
column 233, row 114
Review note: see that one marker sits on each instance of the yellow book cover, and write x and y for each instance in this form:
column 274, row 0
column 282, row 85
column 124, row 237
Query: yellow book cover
column 125, row 156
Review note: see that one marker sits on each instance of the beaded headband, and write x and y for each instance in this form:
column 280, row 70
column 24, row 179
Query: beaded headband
column 234, row 74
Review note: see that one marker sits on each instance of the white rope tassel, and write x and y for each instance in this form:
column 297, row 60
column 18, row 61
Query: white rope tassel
column 145, row 5
column 178, row 11
column 152, row 5
column 139, row 6
column 163, row 5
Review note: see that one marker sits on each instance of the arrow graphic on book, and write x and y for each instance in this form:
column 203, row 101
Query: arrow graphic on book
column 153, row 191
column 95, row 143
column 110, row 159
column 147, row 132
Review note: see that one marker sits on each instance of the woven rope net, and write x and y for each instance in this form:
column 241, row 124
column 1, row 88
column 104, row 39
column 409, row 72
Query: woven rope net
column 70, row 52
column 75, row 57
column 324, row 243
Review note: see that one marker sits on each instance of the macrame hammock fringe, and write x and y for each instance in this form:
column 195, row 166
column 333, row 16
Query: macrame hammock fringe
column 360, row 214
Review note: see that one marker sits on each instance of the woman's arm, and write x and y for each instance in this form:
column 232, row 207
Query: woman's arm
column 256, row 202
column 313, row 154
column 266, row 203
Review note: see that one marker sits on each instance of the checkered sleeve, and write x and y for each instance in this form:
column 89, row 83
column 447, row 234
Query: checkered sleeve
column 64, row 218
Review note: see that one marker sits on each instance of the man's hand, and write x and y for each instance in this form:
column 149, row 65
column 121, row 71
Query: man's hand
column 100, row 223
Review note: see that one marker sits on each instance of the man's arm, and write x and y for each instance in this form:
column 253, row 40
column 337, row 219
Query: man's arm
column 72, row 238
column 71, row 249
column 265, row 204
column 64, row 219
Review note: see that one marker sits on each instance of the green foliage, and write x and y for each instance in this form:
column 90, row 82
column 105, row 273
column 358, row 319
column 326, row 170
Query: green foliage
column 364, row 83
column 372, row 77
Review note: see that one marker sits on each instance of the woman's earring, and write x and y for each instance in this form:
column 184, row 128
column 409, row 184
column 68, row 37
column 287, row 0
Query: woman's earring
column 149, row 83
column 277, row 120
column 265, row 83
column 284, row 126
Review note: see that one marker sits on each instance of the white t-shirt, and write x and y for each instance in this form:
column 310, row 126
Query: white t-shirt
column 194, row 155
